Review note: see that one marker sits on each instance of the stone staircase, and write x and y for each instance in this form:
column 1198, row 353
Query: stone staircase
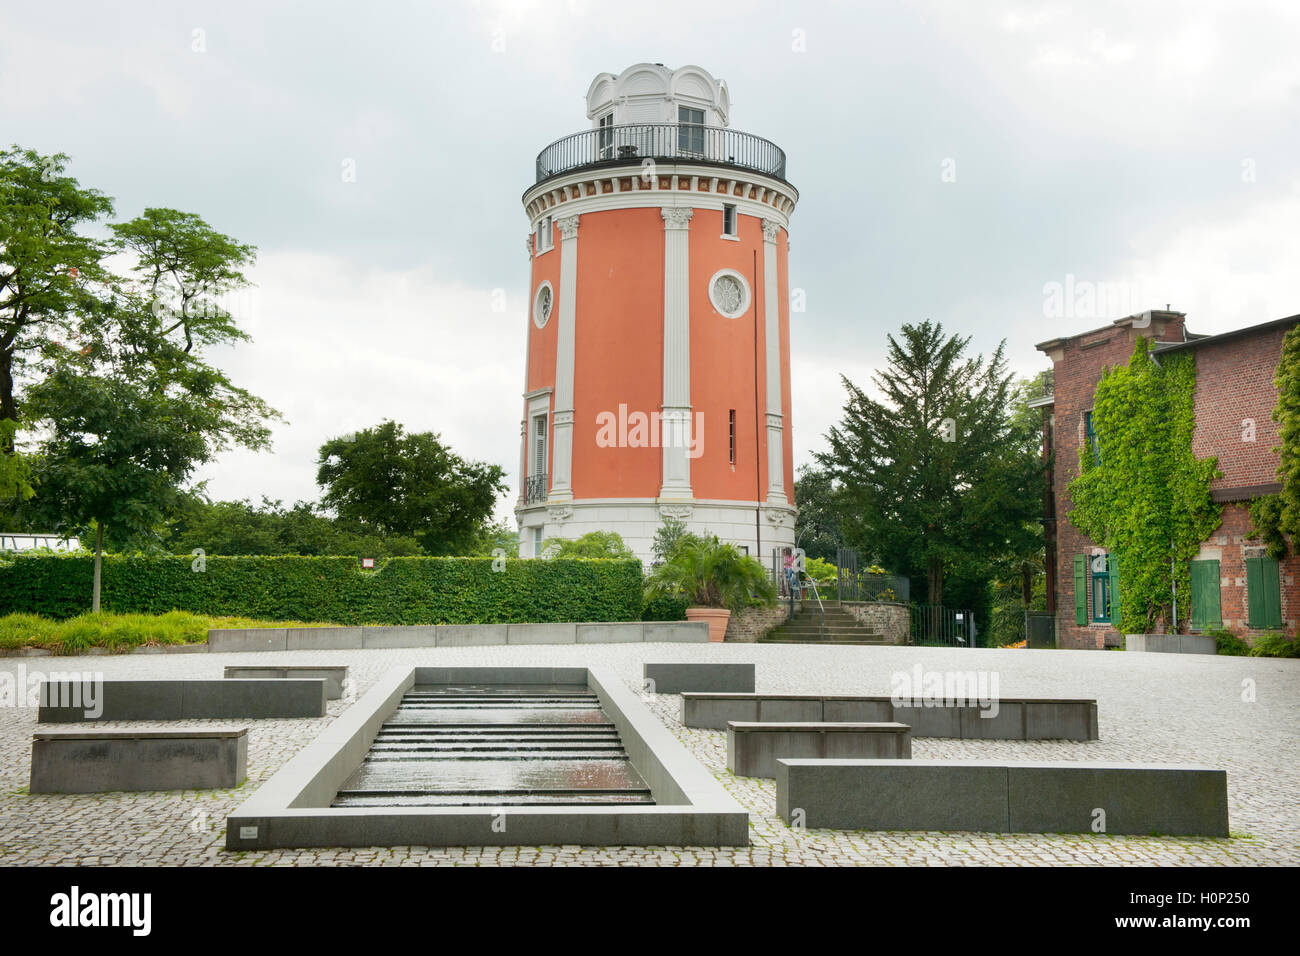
column 841, row 627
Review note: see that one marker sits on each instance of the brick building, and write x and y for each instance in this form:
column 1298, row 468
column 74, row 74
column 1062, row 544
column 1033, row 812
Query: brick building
column 1234, row 583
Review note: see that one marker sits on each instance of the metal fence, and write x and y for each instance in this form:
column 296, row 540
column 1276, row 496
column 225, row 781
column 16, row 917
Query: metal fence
column 939, row 625
column 856, row 584
column 679, row 142
column 535, row 488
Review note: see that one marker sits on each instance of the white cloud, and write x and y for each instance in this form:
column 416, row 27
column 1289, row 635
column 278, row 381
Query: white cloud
column 338, row 346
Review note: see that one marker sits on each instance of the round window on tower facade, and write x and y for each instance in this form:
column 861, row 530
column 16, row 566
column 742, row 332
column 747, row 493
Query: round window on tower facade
column 729, row 293
column 542, row 303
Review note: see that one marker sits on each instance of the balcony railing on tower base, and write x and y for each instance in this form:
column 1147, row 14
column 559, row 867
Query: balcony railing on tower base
column 535, row 489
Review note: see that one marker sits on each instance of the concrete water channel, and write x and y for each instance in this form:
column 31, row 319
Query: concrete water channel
column 465, row 756
column 496, row 745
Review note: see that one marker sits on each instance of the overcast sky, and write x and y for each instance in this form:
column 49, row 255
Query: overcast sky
column 953, row 160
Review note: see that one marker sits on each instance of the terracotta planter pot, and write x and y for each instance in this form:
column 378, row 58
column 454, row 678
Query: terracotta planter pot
column 717, row 618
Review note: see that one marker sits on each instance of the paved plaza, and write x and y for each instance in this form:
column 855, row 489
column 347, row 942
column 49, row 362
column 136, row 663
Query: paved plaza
column 1153, row 708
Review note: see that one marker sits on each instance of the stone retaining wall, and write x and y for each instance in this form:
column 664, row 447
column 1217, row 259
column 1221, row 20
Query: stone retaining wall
column 747, row 626
column 890, row 618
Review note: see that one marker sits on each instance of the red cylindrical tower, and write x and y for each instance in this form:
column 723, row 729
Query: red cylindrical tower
column 658, row 369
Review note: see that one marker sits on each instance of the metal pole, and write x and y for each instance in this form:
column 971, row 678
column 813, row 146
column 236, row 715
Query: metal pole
column 758, row 483
column 1173, row 580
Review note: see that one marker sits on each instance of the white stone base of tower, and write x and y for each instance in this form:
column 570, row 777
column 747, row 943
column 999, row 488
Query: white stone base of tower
column 756, row 527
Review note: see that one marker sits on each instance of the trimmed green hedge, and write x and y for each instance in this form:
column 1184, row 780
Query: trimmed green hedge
column 398, row 591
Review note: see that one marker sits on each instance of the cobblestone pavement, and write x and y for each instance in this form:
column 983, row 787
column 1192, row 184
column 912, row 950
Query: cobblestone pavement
column 1153, row 708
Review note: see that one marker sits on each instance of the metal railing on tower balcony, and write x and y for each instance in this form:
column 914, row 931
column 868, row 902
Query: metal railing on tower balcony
column 670, row 142
column 535, row 489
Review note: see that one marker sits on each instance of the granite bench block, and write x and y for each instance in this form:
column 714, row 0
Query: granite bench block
column 754, row 748
column 675, row 678
column 100, row 761
column 333, row 675
column 180, row 700
column 1002, row 797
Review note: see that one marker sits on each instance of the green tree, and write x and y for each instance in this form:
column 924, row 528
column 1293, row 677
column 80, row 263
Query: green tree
column 122, row 440
column 670, row 531
column 15, row 468
column 242, row 528
column 1018, row 572
column 935, row 476
column 817, row 527
column 593, row 544
column 1146, row 497
column 130, row 414
column 184, row 266
column 48, row 269
column 499, row 536
column 409, row 484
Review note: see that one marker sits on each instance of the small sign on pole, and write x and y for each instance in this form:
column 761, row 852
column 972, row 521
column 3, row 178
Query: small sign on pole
column 367, row 562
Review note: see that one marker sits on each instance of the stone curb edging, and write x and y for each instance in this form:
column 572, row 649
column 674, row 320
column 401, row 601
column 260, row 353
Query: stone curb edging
column 369, row 637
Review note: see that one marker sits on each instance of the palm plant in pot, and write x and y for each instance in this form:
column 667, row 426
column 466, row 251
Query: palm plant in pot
column 714, row 578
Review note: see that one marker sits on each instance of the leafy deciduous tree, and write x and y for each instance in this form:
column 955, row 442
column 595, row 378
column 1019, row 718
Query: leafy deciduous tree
column 409, row 484
column 47, row 267
column 593, row 544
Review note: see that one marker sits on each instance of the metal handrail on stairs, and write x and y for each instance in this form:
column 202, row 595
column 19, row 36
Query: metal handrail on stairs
column 813, row 584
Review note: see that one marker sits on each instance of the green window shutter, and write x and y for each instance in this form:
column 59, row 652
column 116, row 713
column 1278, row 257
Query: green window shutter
column 1272, row 573
column 1255, row 612
column 1206, row 609
column 1112, row 569
column 1080, row 589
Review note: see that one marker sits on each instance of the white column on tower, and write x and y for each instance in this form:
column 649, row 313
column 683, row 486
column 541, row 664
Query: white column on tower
column 676, row 414
column 562, row 451
column 523, row 426
column 772, row 333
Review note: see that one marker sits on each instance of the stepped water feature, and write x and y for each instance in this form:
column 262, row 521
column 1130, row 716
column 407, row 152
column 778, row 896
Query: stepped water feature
column 492, row 756
column 496, row 745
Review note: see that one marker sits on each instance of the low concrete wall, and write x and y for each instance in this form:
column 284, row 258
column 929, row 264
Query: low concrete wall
column 77, row 701
column 293, row 809
column 334, row 677
column 100, row 761
column 1016, row 718
column 453, row 635
column 999, row 797
column 1170, row 643
column 675, row 678
column 753, row 748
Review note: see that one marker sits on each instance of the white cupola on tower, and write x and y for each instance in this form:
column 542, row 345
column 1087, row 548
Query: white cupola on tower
column 652, row 93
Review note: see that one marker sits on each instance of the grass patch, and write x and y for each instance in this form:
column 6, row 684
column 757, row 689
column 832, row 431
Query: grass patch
column 119, row 631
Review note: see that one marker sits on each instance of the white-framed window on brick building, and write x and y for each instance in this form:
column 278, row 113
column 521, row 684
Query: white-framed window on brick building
column 1096, row 589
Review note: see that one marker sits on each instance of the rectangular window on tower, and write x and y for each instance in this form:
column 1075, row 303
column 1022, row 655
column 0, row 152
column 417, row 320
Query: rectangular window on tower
column 690, row 130
column 544, row 234
column 729, row 222
column 539, row 445
column 731, row 436
column 605, row 136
